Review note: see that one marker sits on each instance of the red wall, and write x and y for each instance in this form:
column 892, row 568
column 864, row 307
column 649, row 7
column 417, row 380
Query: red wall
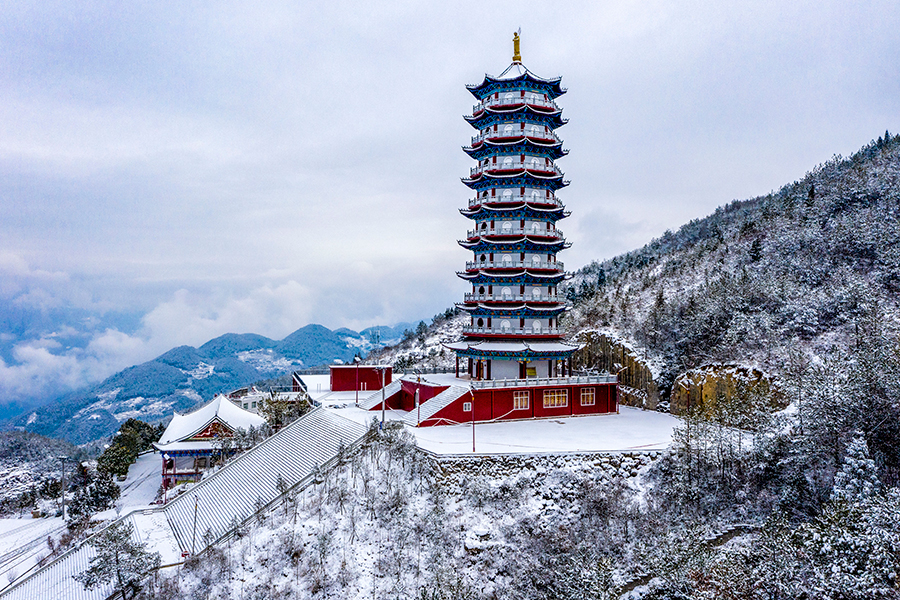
column 343, row 377
column 498, row 404
column 426, row 392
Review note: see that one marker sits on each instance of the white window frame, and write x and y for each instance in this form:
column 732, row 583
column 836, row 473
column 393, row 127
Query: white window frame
column 467, row 407
column 558, row 398
column 588, row 396
column 521, row 400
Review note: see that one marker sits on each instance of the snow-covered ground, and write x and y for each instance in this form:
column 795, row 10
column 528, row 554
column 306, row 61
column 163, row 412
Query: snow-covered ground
column 23, row 542
column 143, row 481
column 632, row 429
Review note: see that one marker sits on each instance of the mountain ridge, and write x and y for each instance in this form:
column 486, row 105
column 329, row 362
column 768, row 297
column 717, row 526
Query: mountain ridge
column 183, row 376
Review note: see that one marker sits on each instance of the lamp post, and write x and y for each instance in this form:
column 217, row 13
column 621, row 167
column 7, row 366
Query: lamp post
column 166, row 458
column 194, row 533
column 418, row 405
column 62, row 485
column 382, row 369
column 472, row 396
column 356, row 359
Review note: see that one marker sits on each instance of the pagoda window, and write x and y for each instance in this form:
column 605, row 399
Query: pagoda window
column 507, row 260
column 480, row 322
column 508, row 96
column 535, row 227
column 483, row 257
column 507, row 162
column 507, row 129
column 505, row 326
column 536, row 326
column 535, row 130
column 481, row 290
column 507, row 227
column 483, row 225
column 536, row 293
column 535, row 196
column 536, row 259
column 506, row 293
column 507, row 194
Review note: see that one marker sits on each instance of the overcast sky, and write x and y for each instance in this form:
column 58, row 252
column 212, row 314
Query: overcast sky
column 215, row 167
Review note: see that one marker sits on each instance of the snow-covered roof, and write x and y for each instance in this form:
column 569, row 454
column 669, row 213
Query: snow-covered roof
column 501, row 346
column 517, row 69
column 187, row 425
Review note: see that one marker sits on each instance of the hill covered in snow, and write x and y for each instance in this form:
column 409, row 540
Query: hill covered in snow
column 185, row 376
column 792, row 270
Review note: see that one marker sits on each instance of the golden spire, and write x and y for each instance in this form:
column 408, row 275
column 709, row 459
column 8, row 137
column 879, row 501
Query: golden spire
column 517, row 55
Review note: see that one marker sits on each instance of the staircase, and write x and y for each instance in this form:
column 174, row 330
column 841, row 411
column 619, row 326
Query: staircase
column 431, row 407
column 370, row 402
column 237, row 492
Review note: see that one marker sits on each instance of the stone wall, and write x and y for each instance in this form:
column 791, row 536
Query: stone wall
column 704, row 387
column 637, row 386
column 498, row 466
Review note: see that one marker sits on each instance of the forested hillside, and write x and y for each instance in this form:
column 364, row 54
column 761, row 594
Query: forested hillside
column 758, row 278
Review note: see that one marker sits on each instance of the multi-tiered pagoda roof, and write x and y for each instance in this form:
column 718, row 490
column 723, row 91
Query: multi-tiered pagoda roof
column 514, row 305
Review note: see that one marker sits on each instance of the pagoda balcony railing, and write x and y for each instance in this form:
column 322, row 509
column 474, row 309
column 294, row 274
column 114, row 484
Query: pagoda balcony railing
column 472, row 297
column 542, row 381
column 541, row 136
column 515, row 264
column 514, row 198
column 502, row 102
column 523, row 331
column 499, row 231
column 541, row 169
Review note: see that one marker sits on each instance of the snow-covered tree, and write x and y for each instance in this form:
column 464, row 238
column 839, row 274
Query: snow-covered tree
column 119, row 561
column 857, row 479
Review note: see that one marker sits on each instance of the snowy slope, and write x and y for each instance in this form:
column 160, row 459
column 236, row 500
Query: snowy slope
column 795, row 268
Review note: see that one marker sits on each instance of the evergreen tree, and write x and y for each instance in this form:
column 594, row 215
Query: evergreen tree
column 857, row 480
column 120, row 561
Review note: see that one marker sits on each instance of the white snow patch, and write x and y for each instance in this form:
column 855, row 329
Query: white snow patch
column 265, row 360
column 201, row 371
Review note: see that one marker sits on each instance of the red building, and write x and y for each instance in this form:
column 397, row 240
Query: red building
column 347, row 378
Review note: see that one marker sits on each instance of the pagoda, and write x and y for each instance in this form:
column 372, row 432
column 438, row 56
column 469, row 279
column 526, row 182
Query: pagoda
column 514, row 304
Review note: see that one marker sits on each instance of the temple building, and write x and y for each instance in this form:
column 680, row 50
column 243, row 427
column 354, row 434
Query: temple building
column 512, row 361
column 514, row 303
column 191, row 443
